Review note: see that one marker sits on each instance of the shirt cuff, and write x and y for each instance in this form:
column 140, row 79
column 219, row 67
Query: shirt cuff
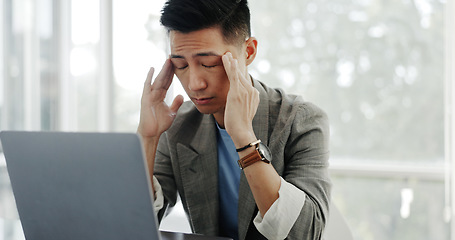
column 283, row 213
column 158, row 203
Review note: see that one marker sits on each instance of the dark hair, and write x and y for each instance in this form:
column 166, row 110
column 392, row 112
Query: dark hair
column 232, row 16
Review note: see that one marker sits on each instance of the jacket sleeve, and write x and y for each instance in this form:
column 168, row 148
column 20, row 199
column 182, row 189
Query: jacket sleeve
column 281, row 216
column 163, row 172
column 306, row 164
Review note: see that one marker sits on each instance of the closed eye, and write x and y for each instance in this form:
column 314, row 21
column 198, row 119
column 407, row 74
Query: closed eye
column 209, row 66
column 181, row 68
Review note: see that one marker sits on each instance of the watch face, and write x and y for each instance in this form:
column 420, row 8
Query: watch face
column 265, row 152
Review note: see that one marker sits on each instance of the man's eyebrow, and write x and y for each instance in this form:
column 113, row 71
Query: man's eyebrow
column 205, row 54
column 176, row 56
column 201, row 54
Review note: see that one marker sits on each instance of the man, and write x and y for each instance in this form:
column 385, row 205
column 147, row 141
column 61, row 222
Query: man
column 283, row 188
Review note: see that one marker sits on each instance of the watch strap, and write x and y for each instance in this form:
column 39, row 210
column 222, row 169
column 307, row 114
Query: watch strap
column 249, row 159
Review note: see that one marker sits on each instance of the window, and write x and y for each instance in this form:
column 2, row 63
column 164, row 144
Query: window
column 376, row 67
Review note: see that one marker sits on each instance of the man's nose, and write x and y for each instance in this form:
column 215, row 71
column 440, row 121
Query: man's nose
column 197, row 81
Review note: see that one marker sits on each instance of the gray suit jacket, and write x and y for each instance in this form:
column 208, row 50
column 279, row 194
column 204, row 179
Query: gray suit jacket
column 296, row 133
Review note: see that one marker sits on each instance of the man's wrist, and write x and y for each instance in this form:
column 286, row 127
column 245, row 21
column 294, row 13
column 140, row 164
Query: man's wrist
column 146, row 140
column 241, row 141
column 248, row 146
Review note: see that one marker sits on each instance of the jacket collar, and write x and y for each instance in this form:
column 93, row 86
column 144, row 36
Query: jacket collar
column 198, row 167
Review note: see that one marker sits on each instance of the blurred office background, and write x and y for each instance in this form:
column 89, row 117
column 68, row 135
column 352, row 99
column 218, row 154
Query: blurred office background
column 382, row 70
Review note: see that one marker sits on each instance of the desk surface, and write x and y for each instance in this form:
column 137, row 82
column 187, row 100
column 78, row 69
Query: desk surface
column 186, row 236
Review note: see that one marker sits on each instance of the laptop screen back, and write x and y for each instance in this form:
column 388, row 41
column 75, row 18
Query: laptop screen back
column 80, row 185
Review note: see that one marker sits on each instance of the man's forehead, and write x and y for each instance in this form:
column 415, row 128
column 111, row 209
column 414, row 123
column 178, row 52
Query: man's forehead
column 196, row 44
column 205, row 35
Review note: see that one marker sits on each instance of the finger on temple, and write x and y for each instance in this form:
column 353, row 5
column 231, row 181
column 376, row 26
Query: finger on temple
column 229, row 66
column 169, row 75
column 235, row 71
column 163, row 80
column 226, row 62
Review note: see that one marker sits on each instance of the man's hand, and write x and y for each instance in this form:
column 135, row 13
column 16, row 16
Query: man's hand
column 156, row 116
column 241, row 106
column 241, row 103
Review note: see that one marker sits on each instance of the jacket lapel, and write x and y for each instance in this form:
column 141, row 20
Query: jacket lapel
column 199, row 168
column 247, row 205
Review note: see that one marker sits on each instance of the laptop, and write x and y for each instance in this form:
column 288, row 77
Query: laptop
column 82, row 186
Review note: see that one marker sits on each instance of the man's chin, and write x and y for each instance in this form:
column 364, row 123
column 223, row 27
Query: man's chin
column 206, row 109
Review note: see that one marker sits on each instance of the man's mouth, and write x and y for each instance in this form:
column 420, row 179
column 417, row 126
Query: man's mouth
column 202, row 101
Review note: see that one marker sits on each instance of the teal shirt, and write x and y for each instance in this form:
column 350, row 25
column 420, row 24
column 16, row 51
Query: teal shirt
column 228, row 184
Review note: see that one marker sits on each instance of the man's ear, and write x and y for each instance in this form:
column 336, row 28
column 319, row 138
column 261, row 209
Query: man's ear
column 251, row 50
